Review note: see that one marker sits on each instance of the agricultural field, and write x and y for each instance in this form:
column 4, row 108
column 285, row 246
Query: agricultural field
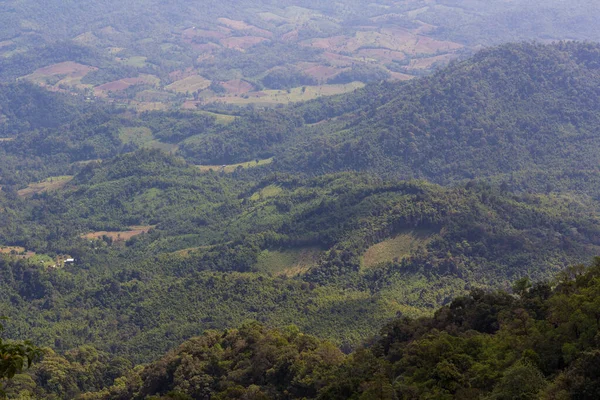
column 274, row 97
column 288, row 262
column 232, row 167
column 47, row 185
column 119, row 236
column 226, row 57
column 396, row 248
column 63, row 74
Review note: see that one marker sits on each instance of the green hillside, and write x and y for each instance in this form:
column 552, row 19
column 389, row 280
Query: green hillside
column 540, row 343
column 164, row 251
column 525, row 114
column 338, row 215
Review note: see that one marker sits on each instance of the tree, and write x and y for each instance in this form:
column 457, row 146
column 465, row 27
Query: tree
column 15, row 357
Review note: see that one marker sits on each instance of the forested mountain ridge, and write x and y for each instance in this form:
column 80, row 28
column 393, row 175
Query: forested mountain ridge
column 338, row 255
column 538, row 343
column 509, row 111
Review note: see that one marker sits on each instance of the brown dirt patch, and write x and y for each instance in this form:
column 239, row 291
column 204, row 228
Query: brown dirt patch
column 123, row 84
column 338, row 59
column 428, row 45
column 49, row 184
column 5, row 43
column 330, row 43
column 243, row 26
column 119, row 236
column 11, row 249
column 70, row 68
column 233, row 24
column 237, row 86
column 242, row 43
column 321, row 72
column 113, row 86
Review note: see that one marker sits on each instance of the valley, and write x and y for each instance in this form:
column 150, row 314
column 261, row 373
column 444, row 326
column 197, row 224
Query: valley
column 299, row 200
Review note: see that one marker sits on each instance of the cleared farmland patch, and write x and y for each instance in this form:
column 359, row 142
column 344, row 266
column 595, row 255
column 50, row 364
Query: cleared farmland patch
column 136, row 135
column 118, row 236
column 237, row 86
column 190, row 84
column 242, row 42
column 232, row 167
column 288, row 262
column 266, row 192
column 243, row 26
column 274, row 97
column 52, row 183
column 397, row 247
column 68, row 72
column 123, row 84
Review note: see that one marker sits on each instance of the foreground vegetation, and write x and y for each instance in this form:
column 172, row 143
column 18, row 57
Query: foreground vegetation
column 538, row 343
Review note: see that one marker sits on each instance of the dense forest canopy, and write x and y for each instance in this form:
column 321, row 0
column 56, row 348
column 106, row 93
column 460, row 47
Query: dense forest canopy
column 538, row 343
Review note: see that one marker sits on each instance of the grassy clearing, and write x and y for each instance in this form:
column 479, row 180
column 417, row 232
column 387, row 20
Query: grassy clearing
column 136, row 135
column 118, row 236
column 266, row 192
column 395, row 248
column 52, row 183
column 232, row 167
column 190, row 84
column 289, row 262
column 222, row 119
column 272, row 97
column 136, row 61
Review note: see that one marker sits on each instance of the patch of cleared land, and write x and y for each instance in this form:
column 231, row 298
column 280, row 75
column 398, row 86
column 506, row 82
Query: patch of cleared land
column 398, row 247
column 189, row 84
column 136, row 135
column 243, row 26
column 69, row 73
column 123, row 84
column 288, row 262
column 119, row 236
column 53, row 183
column 11, row 249
column 266, row 192
column 232, row 167
column 237, row 86
column 135, row 61
column 142, row 137
column 241, row 42
column 220, row 118
column 272, row 97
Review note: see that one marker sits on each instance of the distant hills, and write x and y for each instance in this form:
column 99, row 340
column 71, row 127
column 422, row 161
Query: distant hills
column 523, row 114
column 256, row 51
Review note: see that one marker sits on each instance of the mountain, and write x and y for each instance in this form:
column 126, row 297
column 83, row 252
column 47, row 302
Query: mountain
column 522, row 114
column 124, row 234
